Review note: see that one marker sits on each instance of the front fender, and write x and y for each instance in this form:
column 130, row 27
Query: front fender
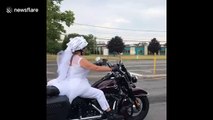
column 139, row 92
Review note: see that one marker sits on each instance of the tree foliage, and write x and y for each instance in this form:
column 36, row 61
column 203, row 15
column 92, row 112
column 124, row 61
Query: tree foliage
column 154, row 46
column 55, row 18
column 89, row 38
column 92, row 44
column 54, row 47
column 116, row 45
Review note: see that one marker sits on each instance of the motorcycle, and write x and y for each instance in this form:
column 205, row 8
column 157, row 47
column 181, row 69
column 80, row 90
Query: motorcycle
column 120, row 91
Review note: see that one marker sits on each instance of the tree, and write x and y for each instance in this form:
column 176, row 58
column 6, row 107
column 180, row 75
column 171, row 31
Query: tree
column 89, row 38
column 154, row 46
column 55, row 18
column 92, row 44
column 116, row 45
column 54, row 47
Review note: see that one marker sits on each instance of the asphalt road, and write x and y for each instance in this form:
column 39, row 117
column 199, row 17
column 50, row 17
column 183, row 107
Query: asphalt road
column 157, row 111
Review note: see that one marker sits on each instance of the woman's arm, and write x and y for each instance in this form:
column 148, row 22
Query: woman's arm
column 88, row 65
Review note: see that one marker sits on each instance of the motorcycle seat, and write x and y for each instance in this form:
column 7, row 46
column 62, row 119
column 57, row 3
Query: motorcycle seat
column 52, row 91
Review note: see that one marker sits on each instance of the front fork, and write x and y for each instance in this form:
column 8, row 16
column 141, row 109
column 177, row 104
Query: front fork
column 134, row 93
column 133, row 98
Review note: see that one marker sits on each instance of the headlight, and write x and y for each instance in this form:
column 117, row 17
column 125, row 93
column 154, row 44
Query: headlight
column 134, row 79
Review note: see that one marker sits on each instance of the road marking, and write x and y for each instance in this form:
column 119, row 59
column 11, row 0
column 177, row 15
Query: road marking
column 145, row 65
column 148, row 70
column 136, row 74
column 157, row 75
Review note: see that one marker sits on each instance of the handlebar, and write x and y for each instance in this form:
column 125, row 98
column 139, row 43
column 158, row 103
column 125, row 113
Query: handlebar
column 102, row 62
column 121, row 72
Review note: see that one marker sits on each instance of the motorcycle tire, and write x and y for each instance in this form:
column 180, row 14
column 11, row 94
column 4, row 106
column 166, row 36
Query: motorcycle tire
column 144, row 108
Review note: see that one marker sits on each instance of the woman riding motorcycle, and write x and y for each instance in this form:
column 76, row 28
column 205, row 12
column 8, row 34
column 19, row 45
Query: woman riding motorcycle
column 72, row 80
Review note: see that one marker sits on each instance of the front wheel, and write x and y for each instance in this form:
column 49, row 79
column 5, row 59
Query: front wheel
column 143, row 109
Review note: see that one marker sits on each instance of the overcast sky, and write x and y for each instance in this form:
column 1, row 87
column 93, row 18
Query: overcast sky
column 141, row 19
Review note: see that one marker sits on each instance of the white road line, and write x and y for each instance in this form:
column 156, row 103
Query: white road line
column 145, row 65
column 157, row 75
column 146, row 70
column 136, row 74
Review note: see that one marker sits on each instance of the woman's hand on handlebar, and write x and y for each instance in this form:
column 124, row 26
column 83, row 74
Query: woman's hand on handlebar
column 115, row 67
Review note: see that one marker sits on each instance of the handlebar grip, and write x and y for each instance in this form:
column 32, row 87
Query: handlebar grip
column 98, row 63
column 108, row 64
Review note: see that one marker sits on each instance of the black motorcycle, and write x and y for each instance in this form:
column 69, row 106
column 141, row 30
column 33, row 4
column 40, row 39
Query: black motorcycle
column 119, row 89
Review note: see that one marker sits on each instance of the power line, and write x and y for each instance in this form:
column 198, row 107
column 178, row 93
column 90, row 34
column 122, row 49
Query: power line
column 128, row 39
column 118, row 28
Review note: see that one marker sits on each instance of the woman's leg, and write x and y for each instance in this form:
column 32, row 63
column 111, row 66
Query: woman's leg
column 98, row 95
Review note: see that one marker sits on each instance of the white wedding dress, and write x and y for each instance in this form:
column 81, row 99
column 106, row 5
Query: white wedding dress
column 77, row 84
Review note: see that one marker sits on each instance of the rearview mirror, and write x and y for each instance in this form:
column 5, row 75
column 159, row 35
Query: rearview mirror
column 104, row 61
column 97, row 59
